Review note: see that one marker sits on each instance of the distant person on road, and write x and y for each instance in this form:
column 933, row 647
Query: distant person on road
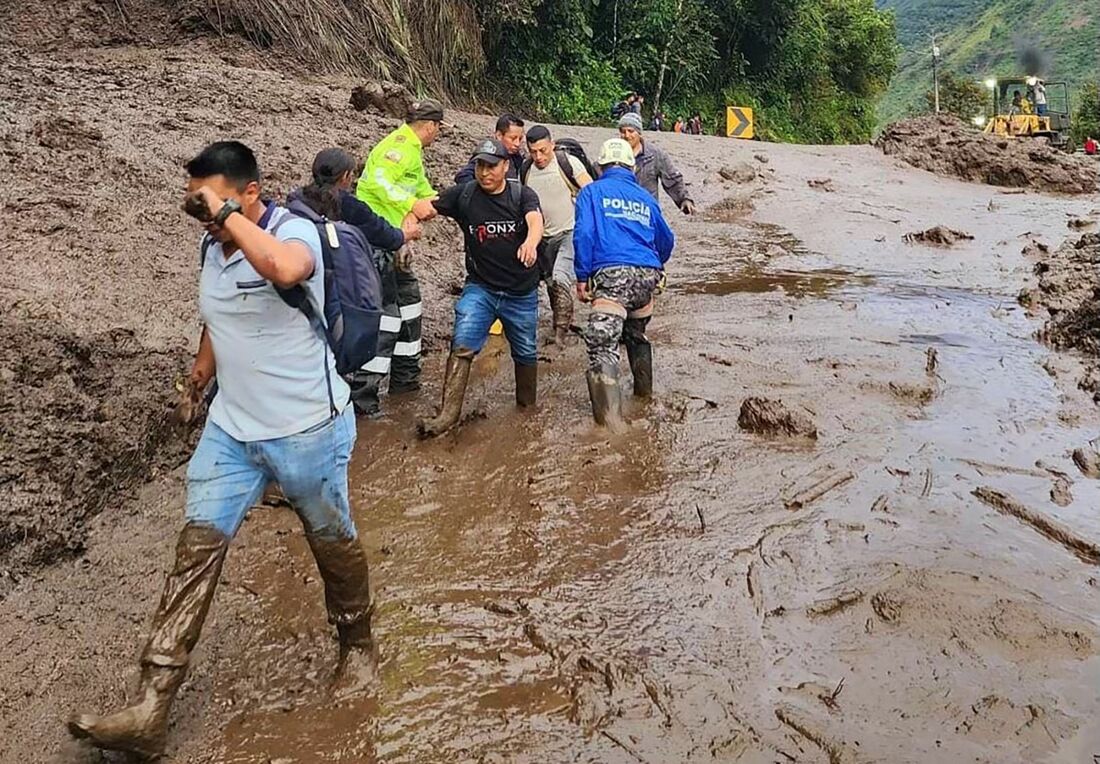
column 636, row 107
column 652, row 165
column 622, row 107
column 1039, row 93
column 678, row 125
column 657, row 124
column 395, row 186
column 509, row 131
column 695, row 124
column 557, row 177
column 1091, row 146
column 501, row 227
column 280, row 414
column 622, row 243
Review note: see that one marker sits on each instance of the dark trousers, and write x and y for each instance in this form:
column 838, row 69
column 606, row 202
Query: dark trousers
column 398, row 354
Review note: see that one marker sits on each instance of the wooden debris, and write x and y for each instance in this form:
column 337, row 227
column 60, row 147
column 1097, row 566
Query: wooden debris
column 818, row 489
column 1084, row 549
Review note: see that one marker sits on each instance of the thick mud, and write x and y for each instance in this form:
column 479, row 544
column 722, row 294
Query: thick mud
column 687, row 592
column 945, row 145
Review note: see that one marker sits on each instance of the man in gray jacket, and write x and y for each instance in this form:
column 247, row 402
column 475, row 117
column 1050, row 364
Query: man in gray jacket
column 652, row 164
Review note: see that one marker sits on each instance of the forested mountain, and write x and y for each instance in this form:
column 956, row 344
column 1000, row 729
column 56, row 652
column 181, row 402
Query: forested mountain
column 990, row 38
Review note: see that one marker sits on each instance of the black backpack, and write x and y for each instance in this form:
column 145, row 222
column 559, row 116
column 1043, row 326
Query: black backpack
column 563, row 149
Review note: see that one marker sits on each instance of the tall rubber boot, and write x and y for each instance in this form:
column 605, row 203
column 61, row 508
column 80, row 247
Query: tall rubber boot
column 561, row 306
column 527, row 384
column 141, row 728
column 603, row 390
column 639, row 352
column 640, row 355
column 456, row 377
column 343, row 567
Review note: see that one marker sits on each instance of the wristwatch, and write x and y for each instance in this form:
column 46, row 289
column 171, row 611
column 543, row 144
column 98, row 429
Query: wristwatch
column 229, row 206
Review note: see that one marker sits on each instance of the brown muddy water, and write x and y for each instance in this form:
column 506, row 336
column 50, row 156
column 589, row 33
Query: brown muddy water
column 548, row 594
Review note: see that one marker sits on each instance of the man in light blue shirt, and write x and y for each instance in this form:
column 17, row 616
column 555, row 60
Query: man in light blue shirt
column 280, row 414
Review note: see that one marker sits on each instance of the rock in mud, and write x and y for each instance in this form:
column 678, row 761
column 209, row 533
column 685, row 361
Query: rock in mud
column 742, row 172
column 938, row 236
column 946, row 145
column 1088, row 461
column 1061, row 493
column 731, row 209
column 383, row 97
column 765, row 416
column 821, row 184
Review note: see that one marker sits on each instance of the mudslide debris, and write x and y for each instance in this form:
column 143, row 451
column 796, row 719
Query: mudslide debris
column 383, row 97
column 765, row 416
column 818, row 489
column 938, row 236
column 946, row 145
column 1088, row 461
column 1084, row 549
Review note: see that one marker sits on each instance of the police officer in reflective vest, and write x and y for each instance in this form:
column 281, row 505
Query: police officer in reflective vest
column 394, row 185
column 621, row 244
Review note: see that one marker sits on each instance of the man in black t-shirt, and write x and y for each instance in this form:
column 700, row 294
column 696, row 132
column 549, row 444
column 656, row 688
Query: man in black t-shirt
column 502, row 226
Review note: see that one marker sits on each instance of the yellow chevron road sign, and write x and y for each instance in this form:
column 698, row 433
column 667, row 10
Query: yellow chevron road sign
column 739, row 122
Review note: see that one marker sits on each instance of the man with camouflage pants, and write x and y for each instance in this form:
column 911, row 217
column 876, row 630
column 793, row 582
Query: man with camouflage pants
column 621, row 244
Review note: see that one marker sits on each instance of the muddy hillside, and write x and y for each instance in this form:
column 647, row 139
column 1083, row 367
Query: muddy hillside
column 857, row 523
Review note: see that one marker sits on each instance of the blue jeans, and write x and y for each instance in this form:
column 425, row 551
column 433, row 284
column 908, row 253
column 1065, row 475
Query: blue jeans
column 479, row 307
column 226, row 476
column 1041, row 109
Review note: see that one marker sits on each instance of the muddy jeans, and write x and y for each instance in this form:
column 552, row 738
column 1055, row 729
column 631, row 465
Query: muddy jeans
column 226, row 477
column 622, row 303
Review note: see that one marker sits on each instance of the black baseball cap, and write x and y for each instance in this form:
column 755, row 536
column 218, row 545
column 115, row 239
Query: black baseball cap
column 427, row 109
column 490, row 151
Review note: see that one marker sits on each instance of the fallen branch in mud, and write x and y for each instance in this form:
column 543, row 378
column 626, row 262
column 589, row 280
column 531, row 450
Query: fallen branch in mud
column 838, row 753
column 1085, row 550
column 818, row 489
column 937, row 236
column 772, row 417
column 835, row 604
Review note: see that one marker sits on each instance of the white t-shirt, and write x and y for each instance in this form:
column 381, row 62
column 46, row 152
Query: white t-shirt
column 555, row 194
column 270, row 360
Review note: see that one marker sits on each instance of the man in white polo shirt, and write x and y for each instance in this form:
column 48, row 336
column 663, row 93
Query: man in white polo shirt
column 557, row 177
column 280, row 414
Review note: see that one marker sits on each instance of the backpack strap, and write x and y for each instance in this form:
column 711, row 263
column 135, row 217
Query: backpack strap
column 515, row 194
column 566, row 168
column 464, row 198
column 204, row 247
column 525, row 170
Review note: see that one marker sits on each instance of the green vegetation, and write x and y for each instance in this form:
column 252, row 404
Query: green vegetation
column 812, row 69
column 1057, row 39
column 964, row 98
column 1086, row 121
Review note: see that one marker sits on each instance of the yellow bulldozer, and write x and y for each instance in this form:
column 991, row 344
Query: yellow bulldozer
column 1016, row 113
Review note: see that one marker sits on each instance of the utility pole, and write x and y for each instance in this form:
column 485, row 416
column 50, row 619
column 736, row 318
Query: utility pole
column 936, row 72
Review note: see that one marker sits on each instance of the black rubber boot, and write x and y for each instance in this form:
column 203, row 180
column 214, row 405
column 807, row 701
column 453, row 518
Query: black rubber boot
column 364, row 393
column 527, row 384
column 640, row 354
column 343, row 567
column 561, row 306
column 141, row 728
column 456, row 377
column 603, row 390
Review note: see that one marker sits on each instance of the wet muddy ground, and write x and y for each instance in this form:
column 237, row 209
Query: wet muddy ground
column 688, row 592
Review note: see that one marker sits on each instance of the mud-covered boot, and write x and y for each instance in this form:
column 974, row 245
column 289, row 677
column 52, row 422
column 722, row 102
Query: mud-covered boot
column 561, row 306
column 142, row 727
column 343, row 567
column 640, row 355
column 527, row 384
column 603, row 390
column 456, row 377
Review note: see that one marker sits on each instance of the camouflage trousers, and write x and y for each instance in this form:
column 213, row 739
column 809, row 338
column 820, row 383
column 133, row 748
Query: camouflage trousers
column 622, row 303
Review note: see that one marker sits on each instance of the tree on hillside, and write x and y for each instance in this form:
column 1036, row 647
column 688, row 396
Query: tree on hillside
column 959, row 96
column 1086, row 121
